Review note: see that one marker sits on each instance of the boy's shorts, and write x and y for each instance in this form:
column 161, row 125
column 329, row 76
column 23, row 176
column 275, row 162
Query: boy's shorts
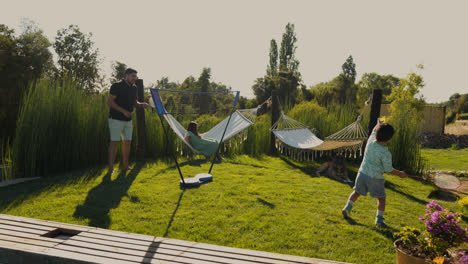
column 365, row 184
column 119, row 128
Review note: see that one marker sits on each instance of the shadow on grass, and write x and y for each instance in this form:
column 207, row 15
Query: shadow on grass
column 106, row 196
column 15, row 195
column 394, row 187
column 312, row 171
column 173, row 214
column 272, row 206
column 387, row 232
column 245, row 164
column 195, row 163
column 307, row 169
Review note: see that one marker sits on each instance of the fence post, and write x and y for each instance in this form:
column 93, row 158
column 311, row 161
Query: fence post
column 443, row 120
column 141, row 124
column 275, row 112
column 375, row 108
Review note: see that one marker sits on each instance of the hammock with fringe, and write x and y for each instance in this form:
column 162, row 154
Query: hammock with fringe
column 297, row 141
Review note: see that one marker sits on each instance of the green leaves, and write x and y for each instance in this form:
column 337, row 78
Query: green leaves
column 406, row 117
column 77, row 57
column 409, row 235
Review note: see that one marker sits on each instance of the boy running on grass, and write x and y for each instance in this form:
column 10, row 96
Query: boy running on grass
column 377, row 161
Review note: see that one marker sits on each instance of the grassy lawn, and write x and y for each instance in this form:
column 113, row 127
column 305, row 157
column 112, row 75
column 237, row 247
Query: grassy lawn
column 447, row 159
column 268, row 204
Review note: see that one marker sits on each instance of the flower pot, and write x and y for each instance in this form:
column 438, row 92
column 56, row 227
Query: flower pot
column 403, row 258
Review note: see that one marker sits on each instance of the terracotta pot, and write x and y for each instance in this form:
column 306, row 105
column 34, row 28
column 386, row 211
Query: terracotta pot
column 403, row 258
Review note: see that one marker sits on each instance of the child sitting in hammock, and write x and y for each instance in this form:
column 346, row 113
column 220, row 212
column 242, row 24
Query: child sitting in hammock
column 206, row 146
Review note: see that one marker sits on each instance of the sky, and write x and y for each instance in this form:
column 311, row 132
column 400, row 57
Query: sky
column 176, row 39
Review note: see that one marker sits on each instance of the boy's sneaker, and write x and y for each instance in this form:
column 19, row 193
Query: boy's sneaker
column 346, row 213
column 379, row 221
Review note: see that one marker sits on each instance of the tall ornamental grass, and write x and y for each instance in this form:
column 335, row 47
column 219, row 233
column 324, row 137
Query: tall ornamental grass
column 258, row 137
column 405, row 145
column 406, row 116
column 59, row 129
column 324, row 121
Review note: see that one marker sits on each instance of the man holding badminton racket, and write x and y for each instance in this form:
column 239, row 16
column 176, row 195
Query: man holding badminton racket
column 377, row 161
column 121, row 100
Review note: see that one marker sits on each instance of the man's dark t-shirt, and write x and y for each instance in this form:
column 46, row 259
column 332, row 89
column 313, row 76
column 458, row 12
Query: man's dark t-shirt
column 126, row 96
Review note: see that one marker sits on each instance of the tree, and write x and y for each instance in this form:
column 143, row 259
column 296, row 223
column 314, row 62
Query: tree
column 373, row 80
column 406, row 116
column 273, row 66
column 77, row 57
column 349, row 69
column 118, row 71
column 288, row 61
column 23, row 60
column 325, row 93
column 285, row 79
column 263, row 87
column 346, row 90
column 204, row 100
column 34, row 51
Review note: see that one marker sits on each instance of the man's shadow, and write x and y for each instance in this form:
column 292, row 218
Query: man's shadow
column 106, row 196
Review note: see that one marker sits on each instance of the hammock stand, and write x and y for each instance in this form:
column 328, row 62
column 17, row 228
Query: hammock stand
column 241, row 119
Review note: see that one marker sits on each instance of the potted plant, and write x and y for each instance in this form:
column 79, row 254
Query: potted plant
column 442, row 233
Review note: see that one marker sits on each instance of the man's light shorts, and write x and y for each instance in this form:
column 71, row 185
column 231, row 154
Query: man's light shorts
column 120, row 129
column 365, row 184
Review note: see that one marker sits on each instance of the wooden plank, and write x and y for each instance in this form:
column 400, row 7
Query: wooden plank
column 208, row 249
column 123, row 257
column 158, row 251
column 25, row 235
column 115, row 239
column 27, row 247
column 136, row 239
column 158, row 247
column 21, row 229
column 29, row 241
column 12, row 252
column 122, row 234
column 26, row 225
column 65, row 254
column 116, row 246
column 247, row 252
column 45, row 223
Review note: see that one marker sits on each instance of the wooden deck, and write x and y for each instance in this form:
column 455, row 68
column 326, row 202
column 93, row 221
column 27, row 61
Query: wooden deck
column 27, row 240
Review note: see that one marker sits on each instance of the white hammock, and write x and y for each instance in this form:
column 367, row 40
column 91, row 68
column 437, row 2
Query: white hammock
column 301, row 138
column 237, row 124
column 295, row 138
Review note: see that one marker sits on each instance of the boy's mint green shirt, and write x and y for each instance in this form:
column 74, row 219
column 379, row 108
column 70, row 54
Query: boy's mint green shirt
column 377, row 159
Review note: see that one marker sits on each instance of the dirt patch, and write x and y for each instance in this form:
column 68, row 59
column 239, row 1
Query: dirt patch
column 460, row 127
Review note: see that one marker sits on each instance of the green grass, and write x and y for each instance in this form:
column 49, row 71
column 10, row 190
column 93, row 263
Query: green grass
column 268, row 204
column 446, row 159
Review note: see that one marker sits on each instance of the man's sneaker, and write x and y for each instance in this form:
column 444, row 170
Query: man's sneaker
column 379, row 221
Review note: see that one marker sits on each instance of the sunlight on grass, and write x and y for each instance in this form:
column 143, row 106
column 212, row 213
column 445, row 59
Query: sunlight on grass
column 446, row 159
column 266, row 203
